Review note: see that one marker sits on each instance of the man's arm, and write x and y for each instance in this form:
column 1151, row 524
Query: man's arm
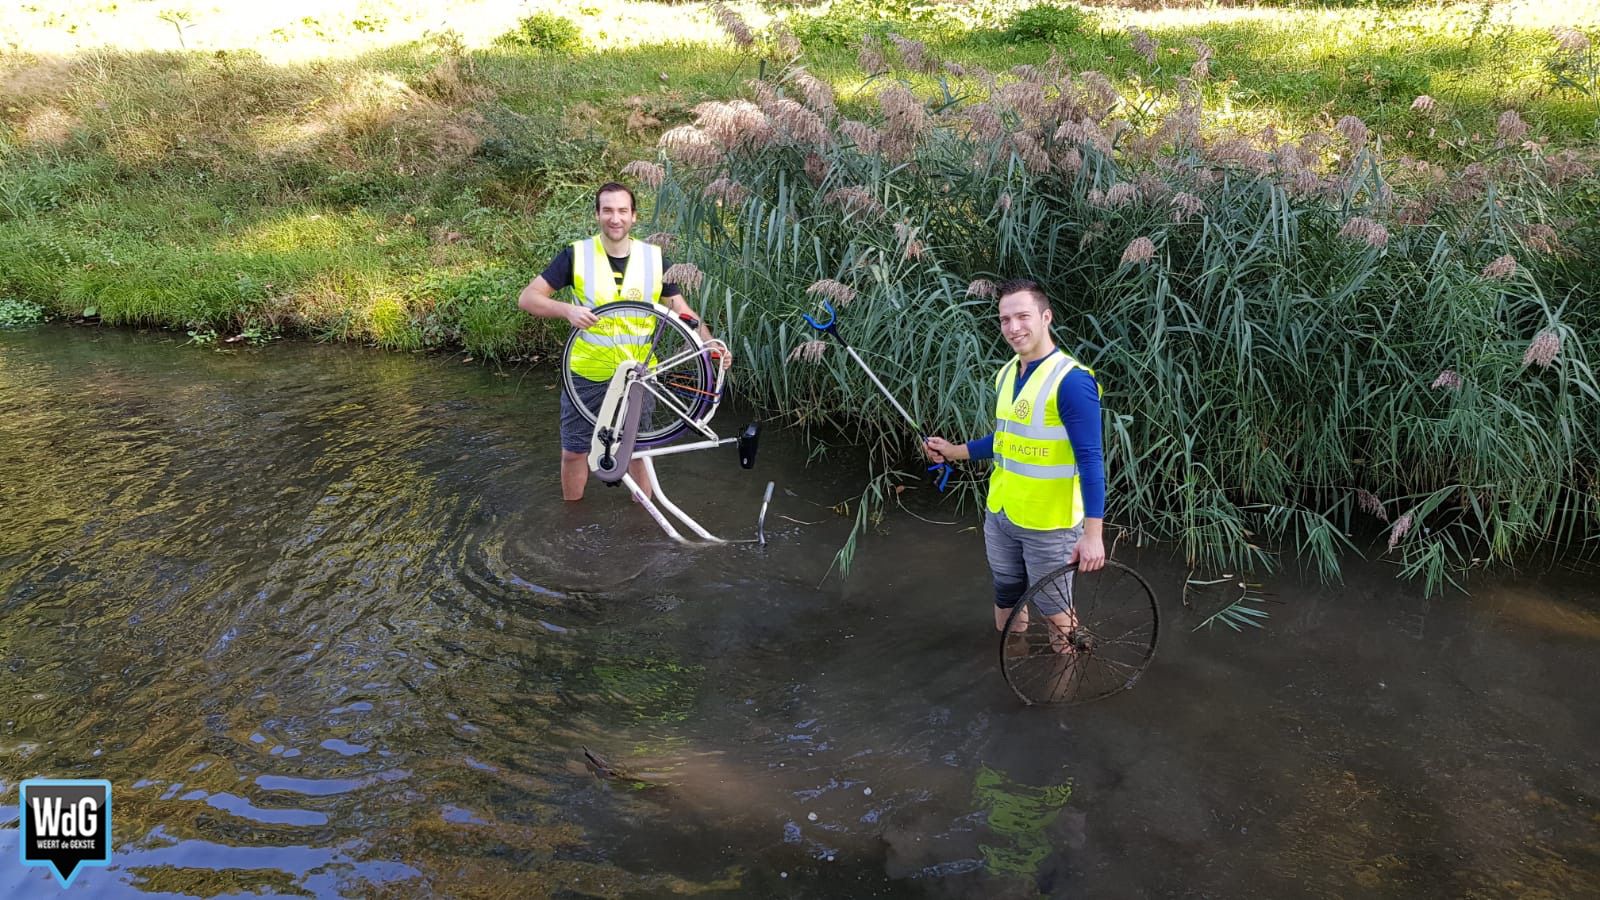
column 1078, row 398
column 940, row 450
column 537, row 299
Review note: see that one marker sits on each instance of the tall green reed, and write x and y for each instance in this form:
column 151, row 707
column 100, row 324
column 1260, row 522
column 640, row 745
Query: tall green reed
column 1300, row 340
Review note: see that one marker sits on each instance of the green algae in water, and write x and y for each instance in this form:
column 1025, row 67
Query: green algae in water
column 1021, row 813
column 652, row 689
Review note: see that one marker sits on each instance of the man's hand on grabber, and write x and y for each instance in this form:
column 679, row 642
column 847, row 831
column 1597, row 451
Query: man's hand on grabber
column 939, row 450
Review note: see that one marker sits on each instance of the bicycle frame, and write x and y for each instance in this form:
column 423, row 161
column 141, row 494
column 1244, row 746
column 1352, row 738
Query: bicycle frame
column 612, row 447
column 652, row 383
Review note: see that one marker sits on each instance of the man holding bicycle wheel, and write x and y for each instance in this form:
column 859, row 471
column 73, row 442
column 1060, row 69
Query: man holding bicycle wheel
column 1047, row 493
column 607, row 268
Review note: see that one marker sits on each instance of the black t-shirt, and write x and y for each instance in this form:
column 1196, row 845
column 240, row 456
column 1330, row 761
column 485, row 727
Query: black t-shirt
column 559, row 273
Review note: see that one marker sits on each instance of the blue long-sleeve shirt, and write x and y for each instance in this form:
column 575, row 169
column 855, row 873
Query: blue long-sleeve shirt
column 1078, row 399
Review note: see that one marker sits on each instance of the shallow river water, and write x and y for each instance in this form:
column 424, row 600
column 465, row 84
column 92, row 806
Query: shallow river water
column 320, row 616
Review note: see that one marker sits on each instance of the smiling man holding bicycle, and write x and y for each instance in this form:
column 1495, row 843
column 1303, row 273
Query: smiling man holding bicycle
column 631, row 270
column 1047, row 493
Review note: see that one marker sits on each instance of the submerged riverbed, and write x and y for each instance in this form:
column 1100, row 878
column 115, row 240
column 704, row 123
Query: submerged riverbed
column 320, row 616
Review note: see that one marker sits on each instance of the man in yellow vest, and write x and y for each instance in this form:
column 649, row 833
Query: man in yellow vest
column 1047, row 492
column 631, row 270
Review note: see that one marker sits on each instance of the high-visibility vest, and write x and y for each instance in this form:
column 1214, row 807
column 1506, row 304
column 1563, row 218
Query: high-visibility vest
column 614, row 339
column 1035, row 478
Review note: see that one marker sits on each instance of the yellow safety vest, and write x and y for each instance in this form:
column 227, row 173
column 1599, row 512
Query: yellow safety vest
column 614, row 339
column 1035, row 479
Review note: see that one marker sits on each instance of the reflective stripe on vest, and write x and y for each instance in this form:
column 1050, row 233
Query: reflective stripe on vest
column 614, row 339
column 621, row 340
column 1035, row 478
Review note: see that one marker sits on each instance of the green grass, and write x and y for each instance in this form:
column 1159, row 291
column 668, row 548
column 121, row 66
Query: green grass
column 15, row 313
column 1288, row 66
column 312, row 166
column 330, row 198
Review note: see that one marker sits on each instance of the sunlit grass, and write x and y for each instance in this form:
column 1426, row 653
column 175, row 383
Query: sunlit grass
column 1377, row 60
column 291, row 31
column 1298, row 68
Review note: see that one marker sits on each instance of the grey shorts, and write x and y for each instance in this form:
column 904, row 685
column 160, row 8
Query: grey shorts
column 576, row 430
column 1018, row 554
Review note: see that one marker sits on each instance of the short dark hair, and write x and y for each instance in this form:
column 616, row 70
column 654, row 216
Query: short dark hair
column 611, row 187
column 1024, row 286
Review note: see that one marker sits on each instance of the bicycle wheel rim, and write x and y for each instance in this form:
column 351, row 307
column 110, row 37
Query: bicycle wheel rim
column 680, row 390
column 1105, row 653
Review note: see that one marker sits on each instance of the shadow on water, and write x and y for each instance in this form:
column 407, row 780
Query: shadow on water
column 322, row 619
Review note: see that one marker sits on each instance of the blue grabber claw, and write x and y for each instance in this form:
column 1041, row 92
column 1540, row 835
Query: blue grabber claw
column 829, row 326
column 943, row 477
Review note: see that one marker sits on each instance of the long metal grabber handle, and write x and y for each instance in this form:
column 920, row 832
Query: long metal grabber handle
column 831, row 327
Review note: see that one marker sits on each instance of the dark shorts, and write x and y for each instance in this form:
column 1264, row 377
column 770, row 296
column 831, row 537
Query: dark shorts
column 577, row 432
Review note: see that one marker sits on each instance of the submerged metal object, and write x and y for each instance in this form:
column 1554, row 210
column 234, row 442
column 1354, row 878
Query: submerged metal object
column 1102, row 649
column 761, row 520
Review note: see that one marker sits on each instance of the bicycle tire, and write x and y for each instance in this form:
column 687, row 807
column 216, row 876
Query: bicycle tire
column 690, row 383
column 1107, row 651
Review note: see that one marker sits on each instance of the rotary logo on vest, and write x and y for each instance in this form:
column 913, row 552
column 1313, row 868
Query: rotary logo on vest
column 65, row 824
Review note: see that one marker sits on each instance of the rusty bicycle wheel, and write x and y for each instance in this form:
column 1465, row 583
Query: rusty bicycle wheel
column 1078, row 637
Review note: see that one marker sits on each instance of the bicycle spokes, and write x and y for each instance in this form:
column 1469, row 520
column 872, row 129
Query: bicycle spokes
column 1076, row 637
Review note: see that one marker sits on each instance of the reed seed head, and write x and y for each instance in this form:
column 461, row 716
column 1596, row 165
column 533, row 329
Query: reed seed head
column 836, row 291
column 1544, row 349
column 809, row 351
column 1501, row 267
column 685, row 275
column 1365, row 230
column 1402, row 527
column 646, row 173
column 1140, row 250
column 1370, row 504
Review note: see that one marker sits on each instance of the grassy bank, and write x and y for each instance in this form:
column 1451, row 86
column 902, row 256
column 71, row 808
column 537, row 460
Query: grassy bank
column 391, row 171
column 397, row 193
column 392, row 174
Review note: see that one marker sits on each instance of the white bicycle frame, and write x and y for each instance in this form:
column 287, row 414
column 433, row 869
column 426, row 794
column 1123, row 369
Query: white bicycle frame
column 613, row 437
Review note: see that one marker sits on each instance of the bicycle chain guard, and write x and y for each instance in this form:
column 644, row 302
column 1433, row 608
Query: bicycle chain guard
column 611, row 449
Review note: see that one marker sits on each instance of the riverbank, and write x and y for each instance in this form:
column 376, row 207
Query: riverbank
column 392, row 172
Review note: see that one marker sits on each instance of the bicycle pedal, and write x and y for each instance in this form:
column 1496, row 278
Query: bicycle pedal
column 749, row 441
